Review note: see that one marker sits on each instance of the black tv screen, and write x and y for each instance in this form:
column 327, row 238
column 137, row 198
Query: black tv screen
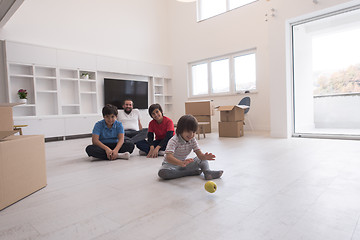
column 117, row 90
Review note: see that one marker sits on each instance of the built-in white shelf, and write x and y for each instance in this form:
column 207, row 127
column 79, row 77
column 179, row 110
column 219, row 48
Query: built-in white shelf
column 61, row 94
column 161, row 90
column 52, row 90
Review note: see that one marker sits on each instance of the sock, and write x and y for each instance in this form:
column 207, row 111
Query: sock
column 212, row 174
column 125, row 155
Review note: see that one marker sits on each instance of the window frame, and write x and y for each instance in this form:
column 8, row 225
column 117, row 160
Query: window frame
column 256, row 74
column 232, row 84
column 191, row 77
column 210, row 82
column 227, row 2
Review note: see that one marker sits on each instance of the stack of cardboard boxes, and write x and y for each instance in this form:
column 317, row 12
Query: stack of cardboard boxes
column 22, row 161
column 202, row 111
column 231, row 121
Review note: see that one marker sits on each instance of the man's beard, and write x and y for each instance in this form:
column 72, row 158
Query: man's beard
column 127, row 110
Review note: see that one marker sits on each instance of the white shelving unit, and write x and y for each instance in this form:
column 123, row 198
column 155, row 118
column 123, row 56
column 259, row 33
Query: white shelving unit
column 60, row 102
column 21, row 76
column 69, row 91
column 52, row 91
column 162, row 93
column 158, row 90
column 46, row 88
column 168, row 95
column 88, row 93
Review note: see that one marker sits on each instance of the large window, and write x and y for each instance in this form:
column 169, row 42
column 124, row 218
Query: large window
column 326, row 75
column 210, row 8
column 220, row 76
column 200, row 73
column 224, row 75
column 245, row 72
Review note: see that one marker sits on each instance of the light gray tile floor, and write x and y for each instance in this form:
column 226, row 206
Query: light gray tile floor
column 272, row 188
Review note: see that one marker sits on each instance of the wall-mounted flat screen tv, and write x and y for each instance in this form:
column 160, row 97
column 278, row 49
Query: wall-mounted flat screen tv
column 117, row 90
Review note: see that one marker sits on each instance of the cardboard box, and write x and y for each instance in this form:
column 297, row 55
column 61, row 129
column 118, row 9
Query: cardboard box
column 6, row 116
column 22, row 167
column 207, row 119
column 231, row 129
column 232, row 113
column 199, row 108
column 22, row 161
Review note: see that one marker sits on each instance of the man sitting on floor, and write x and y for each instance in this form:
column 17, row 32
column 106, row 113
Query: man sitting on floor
column 130, row 118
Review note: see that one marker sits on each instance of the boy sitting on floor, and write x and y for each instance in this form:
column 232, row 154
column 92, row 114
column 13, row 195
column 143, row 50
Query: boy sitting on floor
column 108, row 137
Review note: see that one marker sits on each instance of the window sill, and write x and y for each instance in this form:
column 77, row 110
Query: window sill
column 224, row 94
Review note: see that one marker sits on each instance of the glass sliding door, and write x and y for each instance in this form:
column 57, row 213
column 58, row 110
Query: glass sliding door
column 326, row 75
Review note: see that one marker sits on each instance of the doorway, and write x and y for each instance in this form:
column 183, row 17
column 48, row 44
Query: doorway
column 326, row 75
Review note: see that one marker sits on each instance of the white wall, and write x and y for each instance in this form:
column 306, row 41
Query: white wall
column 166, row 32
column 238, row 30
column 136, row 29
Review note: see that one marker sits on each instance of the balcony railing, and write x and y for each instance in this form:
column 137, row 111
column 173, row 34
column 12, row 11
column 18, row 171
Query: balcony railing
column 337, row 111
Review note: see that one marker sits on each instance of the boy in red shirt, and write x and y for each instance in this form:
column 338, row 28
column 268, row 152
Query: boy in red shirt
column 162, row 128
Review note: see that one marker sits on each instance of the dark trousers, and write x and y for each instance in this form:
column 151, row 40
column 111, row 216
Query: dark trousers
column 145, row 146
column 98, row 152
column 136, row 136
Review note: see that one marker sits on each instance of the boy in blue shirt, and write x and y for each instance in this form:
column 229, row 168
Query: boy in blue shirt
column 108, row 137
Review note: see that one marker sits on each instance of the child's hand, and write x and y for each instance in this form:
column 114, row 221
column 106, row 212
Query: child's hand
column 153, row 153
column 109, row 153
column 209, row 156
column 186, row 162
column 113, row 155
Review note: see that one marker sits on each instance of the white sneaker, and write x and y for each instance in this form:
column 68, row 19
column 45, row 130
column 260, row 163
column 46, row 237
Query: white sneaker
column 161, row 153
column 125, row 155
column 142, row 153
